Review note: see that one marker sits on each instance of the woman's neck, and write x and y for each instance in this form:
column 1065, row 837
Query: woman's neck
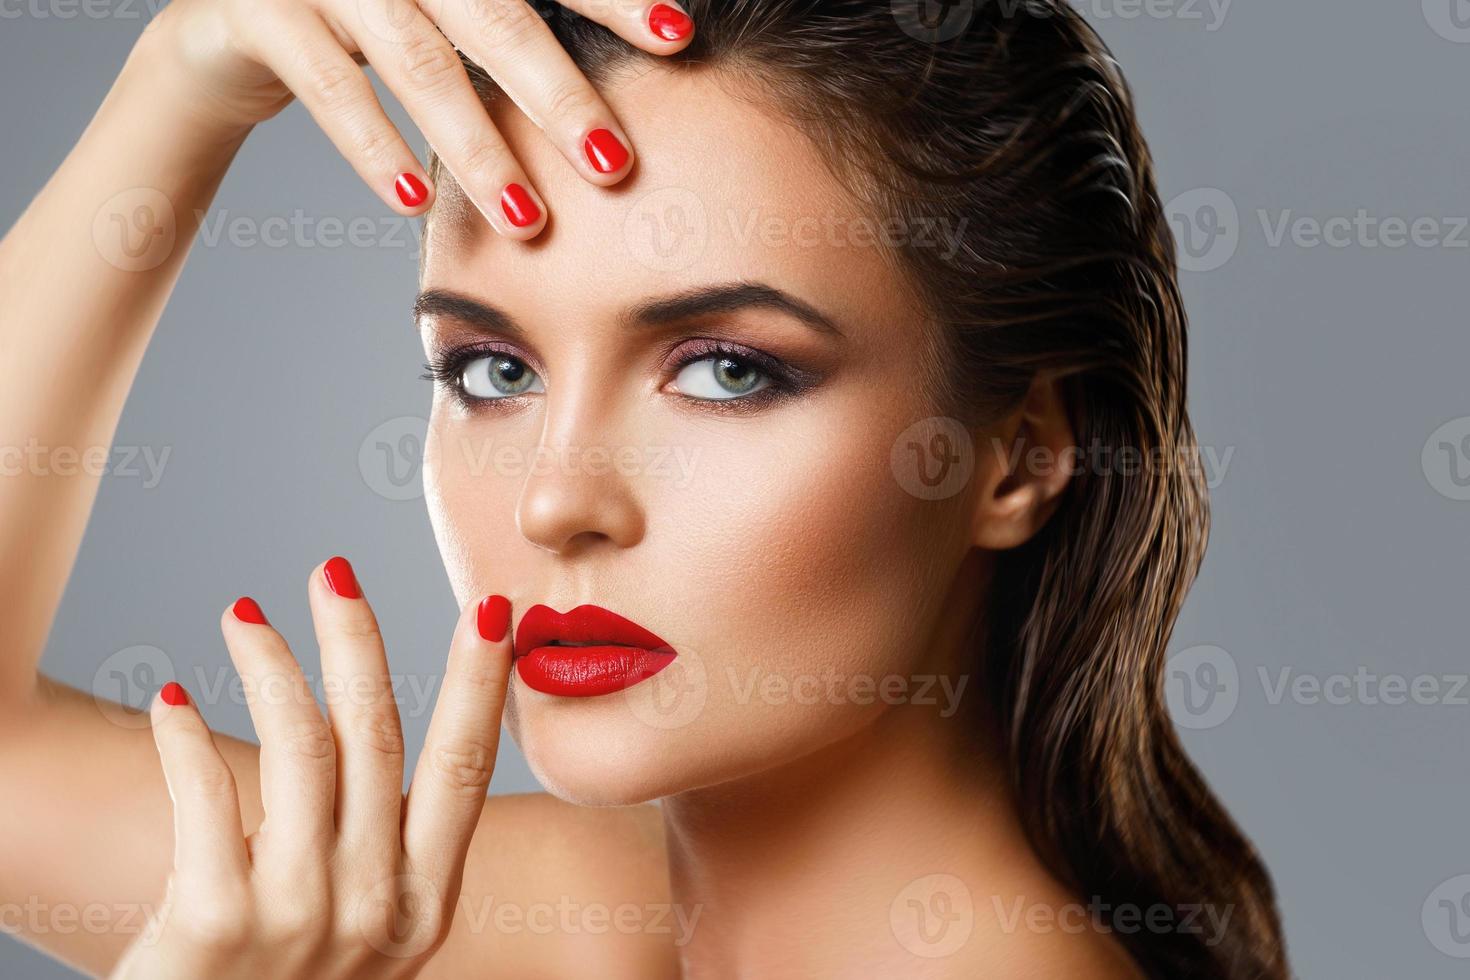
column 825, row 867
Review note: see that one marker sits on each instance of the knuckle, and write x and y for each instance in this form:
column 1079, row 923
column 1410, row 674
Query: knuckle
column 429, row 63
column 569, row 100
column 334, row 85
column 374, row 143
column 212, row 781
column 380, row 733
column 362, row 624
column 222, row 924
column 481, row 679
column 294, row 920
column 311, row 742
column 507, row 23
column 483, row 163
column 464, row 764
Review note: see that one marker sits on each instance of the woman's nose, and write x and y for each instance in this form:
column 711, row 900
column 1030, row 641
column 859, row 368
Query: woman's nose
column 576, row 492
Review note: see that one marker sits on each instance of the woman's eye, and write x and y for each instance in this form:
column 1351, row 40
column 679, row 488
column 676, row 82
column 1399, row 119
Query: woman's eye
column 719, row 378
column 498, row 376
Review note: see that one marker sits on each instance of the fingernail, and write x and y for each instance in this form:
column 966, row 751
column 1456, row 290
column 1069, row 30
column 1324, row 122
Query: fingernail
column 411, row 190
column 669, row 23
column 341, row 579
column 518, row 206
column 494, row 617
column 604, row 151
column 247, row 610
column 174, row 694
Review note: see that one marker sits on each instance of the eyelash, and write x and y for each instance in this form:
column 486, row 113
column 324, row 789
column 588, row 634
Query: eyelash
column 446, row 369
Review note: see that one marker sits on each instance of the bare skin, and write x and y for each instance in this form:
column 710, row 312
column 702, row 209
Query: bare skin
column 799, row 839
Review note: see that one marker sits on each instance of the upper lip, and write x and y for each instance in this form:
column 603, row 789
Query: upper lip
column 586, row 623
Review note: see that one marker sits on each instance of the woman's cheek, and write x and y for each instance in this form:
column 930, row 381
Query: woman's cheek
column 805, row 561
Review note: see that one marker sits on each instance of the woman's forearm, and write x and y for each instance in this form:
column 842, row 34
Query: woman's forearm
column 84, row 276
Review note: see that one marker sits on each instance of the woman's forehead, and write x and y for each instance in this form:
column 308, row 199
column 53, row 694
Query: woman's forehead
column 723, row 189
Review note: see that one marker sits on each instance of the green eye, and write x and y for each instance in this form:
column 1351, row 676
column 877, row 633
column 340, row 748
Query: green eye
column 720, row 378
column 498, row 376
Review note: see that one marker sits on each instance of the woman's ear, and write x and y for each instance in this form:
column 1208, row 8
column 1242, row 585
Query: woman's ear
column 1022, row 466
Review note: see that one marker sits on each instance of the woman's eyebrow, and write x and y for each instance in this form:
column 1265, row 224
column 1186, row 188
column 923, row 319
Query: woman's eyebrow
column 729, row 297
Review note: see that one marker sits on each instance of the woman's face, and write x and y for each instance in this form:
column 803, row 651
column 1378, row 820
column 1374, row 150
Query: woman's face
column 748, row 512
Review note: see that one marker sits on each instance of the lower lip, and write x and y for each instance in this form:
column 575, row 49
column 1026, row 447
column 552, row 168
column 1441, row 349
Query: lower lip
column 586, row 672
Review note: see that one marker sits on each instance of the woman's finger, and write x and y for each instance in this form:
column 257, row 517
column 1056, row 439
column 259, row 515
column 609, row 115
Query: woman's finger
column 510, row 41
column 653, row 25
column 454, row 770
column 310, row 59
column 209, row 843
column 298, row 758
column 424, row 71
column 362, row 710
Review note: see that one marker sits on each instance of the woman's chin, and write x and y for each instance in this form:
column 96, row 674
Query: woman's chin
column 601, row 751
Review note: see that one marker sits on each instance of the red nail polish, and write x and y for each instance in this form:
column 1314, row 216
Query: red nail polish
column 411, row 190
column 247, row 610
column 669, row 23
column 518, row 206
column 494, row 617
column 341, row 578
column 604, row 151
column 174, row 694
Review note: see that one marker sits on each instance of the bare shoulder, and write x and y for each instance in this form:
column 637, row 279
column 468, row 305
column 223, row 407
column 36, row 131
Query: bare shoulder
column 551, row 887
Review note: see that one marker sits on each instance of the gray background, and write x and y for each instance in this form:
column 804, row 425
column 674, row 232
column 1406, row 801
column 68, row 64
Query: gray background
column 1320, row 373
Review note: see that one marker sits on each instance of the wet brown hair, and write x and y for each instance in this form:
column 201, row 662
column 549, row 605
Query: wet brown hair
column 1010, row 123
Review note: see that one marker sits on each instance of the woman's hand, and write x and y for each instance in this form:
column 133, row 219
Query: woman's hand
column 244, row 59
column 346, row 877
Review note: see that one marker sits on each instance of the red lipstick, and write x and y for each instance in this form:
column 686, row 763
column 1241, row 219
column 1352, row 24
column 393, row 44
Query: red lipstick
column 585, row 651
